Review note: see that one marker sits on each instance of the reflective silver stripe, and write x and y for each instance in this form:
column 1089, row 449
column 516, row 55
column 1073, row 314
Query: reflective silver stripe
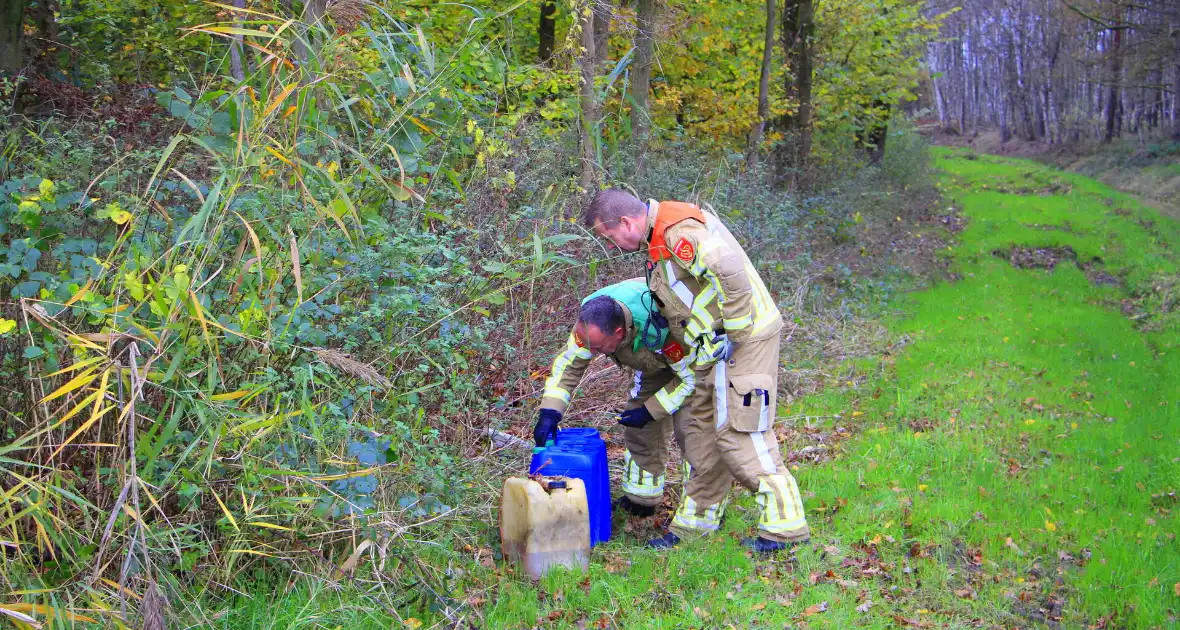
column 638, row 383
column 764, row 417
column 677, row 286
column 721, row 395
column 763, row 453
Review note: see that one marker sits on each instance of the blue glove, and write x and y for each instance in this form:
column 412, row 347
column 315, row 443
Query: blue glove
column 635, row 418
column 546, row 427
column 721, row 348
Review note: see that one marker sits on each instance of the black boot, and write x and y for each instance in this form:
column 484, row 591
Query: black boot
column 667, row 541
column 764, row 546
column 635, row 509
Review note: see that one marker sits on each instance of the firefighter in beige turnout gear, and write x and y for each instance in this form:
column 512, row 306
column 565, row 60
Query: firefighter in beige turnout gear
column 716, row 303
column 622, row 322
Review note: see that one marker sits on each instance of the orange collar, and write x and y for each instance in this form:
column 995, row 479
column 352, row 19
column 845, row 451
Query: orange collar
column 668, row 213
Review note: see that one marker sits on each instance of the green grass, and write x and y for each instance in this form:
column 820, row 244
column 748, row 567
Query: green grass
column 304, row 603
column 1005, row 463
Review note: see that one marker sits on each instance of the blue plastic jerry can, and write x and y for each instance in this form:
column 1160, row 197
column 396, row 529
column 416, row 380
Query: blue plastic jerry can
column 580, row 453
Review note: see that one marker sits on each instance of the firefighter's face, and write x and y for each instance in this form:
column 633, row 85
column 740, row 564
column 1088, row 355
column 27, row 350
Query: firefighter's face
column 626, row 233
column 599, row 341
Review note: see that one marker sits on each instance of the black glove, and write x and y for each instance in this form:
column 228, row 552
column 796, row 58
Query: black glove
column 546, row 427
column 635, row 418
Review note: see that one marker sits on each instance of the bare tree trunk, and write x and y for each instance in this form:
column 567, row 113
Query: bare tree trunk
column 47, row 29
column 313, row 15
column 1176, row 82
column 589, row 66
column 12, row 17
column 546, row 30
column 798, row 29
column 641, row 77
column 235, row 49
column 1113, row 102
column 940, row 102
column 763, row 87
column 602, row 17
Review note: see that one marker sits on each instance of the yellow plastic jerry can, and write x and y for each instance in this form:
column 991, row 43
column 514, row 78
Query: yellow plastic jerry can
column 545, row 523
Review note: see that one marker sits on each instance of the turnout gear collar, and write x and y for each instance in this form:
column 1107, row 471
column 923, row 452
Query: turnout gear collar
column 662, row 215
column 644, row 325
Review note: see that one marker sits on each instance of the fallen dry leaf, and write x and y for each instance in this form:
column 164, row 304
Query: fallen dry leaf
column 617, row 564
column 815, row 609
column 864, row 608
column 1011, row 545
column 964, row 593
column 912, row 622
column 758, row 606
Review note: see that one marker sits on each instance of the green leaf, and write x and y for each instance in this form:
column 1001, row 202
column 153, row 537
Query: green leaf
column 134, row 286
column 46, row 188
column 32, row 352
column 115, row 213
column 6, row 326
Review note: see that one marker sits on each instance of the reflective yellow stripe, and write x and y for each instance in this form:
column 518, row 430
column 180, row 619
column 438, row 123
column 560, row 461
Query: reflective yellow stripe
column 776, row 490
column 688, row 516
column 701, row 323
column 739, row 323
column 572, row 351
column 638, row 482
column 666, row 402
column 765, row 311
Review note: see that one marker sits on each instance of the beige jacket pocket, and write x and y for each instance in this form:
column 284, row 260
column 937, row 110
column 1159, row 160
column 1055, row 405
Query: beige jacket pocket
column 749, row 401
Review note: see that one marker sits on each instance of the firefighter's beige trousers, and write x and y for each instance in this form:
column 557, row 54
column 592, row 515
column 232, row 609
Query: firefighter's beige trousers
column 646, row 458
column 727, row 433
